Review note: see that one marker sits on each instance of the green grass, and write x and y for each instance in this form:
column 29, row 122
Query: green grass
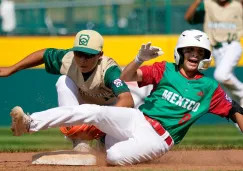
column 209, row 137
column 51, row 139
column 212, row 137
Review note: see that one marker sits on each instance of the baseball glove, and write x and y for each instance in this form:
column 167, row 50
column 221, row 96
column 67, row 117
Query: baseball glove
column 84, row 132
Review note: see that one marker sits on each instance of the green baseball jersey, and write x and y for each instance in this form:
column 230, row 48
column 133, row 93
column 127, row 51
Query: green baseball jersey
column 177, row 102
column 101, row 87
column 222, row 24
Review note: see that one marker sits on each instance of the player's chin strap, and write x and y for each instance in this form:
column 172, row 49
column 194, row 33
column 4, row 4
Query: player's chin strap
column 235, row 108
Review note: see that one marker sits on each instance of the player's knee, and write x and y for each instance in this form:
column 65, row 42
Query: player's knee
column 64, row 82
column 61, row 80
column 114, row 158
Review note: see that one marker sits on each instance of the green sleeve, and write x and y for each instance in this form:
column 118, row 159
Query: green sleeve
column 112, row 81
column 199, row 15
column 53, row 60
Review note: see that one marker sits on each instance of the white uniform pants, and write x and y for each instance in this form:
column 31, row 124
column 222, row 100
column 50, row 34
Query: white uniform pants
column 133, row 140
column 67, row 92
column 226, row 58
column 68, row 95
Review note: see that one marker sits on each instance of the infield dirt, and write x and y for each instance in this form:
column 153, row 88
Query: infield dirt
column 173, row 160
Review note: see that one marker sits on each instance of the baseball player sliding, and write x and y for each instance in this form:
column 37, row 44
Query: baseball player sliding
column 88, row 77
column 180, row 96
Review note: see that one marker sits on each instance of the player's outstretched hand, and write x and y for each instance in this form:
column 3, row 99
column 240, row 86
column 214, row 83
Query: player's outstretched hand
column 148, row 52
column 5, row 71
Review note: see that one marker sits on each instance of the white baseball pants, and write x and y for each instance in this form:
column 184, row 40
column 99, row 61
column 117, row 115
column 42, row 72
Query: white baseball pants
column 139, row 94
column 226, row 58
column 67, row 92
column 132, row 138
column 68, row 95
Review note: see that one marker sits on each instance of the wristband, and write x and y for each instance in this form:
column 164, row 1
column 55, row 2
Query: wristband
column 138, row 61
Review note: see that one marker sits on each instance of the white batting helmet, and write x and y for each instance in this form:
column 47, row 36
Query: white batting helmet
column 194, row 38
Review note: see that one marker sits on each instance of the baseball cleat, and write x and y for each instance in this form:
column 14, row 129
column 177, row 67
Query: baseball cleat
column 20, row 121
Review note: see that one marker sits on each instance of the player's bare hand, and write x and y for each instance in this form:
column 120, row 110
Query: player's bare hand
column 148, row 52
column 5, row 71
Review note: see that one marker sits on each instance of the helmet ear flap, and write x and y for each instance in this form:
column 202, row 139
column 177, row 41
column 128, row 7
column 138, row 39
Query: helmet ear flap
column 178, row 55
column 204, row 64
column 181, row 60
column 207, row 54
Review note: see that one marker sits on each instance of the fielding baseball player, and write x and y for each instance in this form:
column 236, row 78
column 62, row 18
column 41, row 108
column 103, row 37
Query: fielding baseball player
column 88, row 77
column 223, row 22
column 180, row 96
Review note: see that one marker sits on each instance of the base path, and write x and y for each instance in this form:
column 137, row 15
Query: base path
column 173, row 160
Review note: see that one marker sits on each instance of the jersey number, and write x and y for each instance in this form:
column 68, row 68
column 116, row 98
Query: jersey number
column 231, row 37
column 185, row 118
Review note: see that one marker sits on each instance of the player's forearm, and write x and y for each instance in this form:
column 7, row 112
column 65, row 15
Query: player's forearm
column 125, row 100
column 129, row 73
column 191, row 10
column 32, row 60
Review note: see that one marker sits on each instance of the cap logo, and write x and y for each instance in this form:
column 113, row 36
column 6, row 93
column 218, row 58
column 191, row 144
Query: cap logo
column 84, row 39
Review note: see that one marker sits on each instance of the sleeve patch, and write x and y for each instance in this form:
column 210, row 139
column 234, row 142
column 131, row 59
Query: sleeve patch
column 228, row 98
column 118, row 83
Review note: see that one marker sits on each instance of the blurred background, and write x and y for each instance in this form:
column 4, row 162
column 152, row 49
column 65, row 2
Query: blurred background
column 109, row 17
